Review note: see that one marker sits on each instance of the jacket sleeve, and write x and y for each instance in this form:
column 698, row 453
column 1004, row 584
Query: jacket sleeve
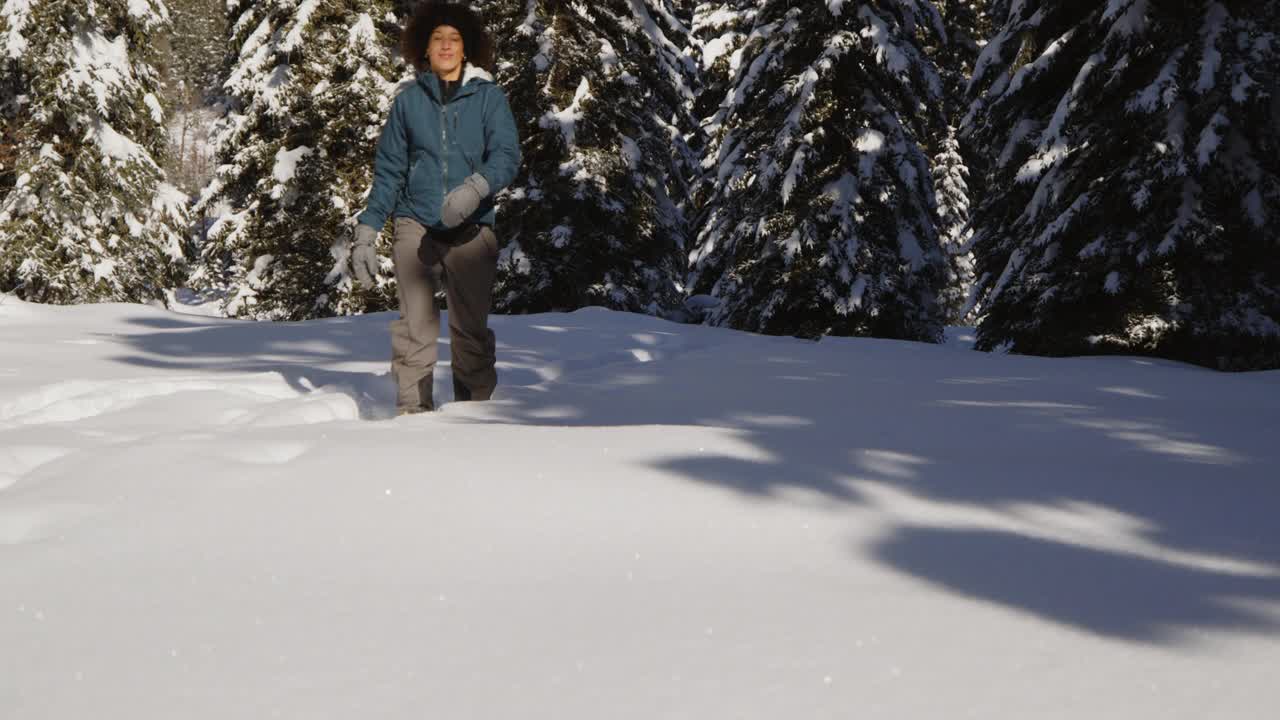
column 390, row 166
column 501, row 143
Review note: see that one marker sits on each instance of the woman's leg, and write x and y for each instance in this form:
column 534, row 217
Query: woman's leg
column 414, row 334
column 469, row 271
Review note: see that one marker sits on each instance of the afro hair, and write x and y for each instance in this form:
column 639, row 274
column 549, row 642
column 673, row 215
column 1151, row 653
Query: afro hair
column 427, row 16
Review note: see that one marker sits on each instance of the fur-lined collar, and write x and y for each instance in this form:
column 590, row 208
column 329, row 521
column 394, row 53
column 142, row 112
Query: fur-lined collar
column 470, row 72
column 472, row 76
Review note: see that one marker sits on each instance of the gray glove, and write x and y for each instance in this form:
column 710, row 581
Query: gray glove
column 364, row 255
column 463, row 200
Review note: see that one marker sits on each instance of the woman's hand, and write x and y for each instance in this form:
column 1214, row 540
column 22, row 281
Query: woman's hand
column 463, row 200
column 364, row 256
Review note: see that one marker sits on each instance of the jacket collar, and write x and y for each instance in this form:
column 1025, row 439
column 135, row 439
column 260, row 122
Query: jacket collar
column 472, row 78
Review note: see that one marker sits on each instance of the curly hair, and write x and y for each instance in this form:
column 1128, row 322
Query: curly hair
column 427, row 16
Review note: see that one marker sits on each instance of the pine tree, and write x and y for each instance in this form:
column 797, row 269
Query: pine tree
column 719, row 31
column 951, row 188
column 1136, row 175
column 14, row 16
column 957, row 168
column 196, row 49
column 309, row 93
column 601, row 93
column 86, row 213
column 821, row 215
column 968, row 23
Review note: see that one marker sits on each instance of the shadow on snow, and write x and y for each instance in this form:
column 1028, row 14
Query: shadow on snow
column 1009, row 478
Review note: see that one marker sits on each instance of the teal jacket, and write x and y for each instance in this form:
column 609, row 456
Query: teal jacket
column 427, row 148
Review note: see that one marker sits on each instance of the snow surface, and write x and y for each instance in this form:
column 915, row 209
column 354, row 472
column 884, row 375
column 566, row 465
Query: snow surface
column 665, row 49
column 100, row 65
column 153, row 104
column 286, row 165
column 209, row 518
column 887, row 51
column 567, row 119
column 363, row 34
column 1214, row 22
column 301, row 20
column 16, row 13
column 1132, row 22
column 1163, row 91
column 114, row 145
column 1211, row 138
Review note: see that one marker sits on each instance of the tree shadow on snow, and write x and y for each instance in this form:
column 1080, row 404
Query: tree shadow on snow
column 302, row 354
column 1104, row 592
column 297, row 352
column 997, row 470
column 1132, row 498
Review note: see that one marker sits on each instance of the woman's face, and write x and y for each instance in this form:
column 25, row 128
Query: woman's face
column 444, row 52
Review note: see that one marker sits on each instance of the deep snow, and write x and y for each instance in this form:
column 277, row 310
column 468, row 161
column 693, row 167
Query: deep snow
column 209, row 518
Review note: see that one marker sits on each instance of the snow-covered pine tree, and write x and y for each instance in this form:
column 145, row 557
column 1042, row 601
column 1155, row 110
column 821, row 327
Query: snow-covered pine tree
column 309, row 93
column 601, row 93
column 951, row 187
column 14, row 15
column 1133, row 205
column 955, row 181
column 968, row 24
column 821, row 219
column 86, row 213
column 719, row 30
column 195, row 49
column 684, row 10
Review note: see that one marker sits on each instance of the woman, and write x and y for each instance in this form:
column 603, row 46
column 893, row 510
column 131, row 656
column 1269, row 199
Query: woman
column 448, row 147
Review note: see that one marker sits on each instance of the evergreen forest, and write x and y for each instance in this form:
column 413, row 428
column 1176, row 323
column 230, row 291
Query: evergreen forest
column 1069, row 177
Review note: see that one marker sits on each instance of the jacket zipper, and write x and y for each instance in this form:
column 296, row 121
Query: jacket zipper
column 471, row 166
column 444, row 153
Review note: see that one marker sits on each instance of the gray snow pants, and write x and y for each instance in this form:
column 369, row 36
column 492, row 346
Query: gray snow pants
column 466, row 271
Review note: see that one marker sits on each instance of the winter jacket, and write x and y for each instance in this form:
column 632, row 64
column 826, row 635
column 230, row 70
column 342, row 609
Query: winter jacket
column 428, row 147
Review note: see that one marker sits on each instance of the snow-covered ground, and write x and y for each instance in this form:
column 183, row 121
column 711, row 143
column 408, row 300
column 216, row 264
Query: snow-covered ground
column 204, row 518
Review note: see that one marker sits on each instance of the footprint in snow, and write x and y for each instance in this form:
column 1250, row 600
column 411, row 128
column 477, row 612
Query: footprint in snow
column 321, row 407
